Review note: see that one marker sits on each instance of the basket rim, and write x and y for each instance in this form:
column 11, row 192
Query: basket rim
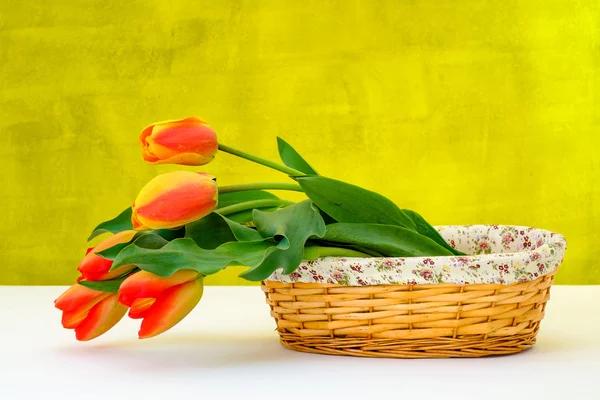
column 493, row 268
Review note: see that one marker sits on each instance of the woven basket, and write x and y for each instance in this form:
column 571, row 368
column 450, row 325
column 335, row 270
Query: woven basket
column 468, row 319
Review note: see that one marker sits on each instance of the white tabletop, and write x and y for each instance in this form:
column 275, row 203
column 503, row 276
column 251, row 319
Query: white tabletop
column 228, row 347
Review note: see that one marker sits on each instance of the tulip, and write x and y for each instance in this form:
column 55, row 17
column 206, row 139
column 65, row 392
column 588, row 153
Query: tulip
column 189, row 141
column 161, row 302
column 174, row 199
column 96, row 268
column 90, row 312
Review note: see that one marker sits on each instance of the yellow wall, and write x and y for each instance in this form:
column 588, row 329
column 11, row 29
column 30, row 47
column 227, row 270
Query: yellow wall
column 466, row 111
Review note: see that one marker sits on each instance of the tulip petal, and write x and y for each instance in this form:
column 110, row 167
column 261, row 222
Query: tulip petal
column 173, row 199
column 186, row 204
column 71, row 319
column 75, row 297
column 185, row 137
column 144, row 284
column 171, row 308
column 96, row 268
column 139, row 307
column 101, row 318
column 189, row 141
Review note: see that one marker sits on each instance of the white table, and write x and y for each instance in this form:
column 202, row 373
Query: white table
column 227, row 348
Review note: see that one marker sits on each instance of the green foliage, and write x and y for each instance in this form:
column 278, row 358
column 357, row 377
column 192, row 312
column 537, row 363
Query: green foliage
column 424, row 228
column 111, row 286
column 231, row 198
column 292, row 159
column 388, row 240
column 278, row 242
column 185, row 254
column 120, row 223
column 290, row 227
column 349, row 203
column 149, row 239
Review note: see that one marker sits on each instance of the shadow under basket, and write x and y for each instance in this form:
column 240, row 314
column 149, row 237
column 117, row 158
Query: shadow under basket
column 409, row 321
column 488, row 302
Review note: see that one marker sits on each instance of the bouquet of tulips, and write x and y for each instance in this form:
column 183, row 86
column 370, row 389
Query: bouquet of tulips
column 182, row 227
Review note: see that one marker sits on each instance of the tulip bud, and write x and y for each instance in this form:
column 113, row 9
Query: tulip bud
column 161, row 302
column 96, row 268
column 90, row 312
column 174, row 199
column 189, row 141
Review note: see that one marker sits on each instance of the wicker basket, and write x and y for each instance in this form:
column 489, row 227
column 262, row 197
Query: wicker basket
column 469, row 319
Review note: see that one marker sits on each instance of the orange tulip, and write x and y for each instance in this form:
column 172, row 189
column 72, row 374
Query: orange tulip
column 161, row 302
column 174, row 199
column 90, row 312
column 96, row 268
column 189, row 141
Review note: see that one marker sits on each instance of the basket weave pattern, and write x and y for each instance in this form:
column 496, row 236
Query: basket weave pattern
column 409, row 321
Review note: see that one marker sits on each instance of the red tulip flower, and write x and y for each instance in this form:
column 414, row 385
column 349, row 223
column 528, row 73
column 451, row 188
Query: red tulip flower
column 174, row 199
column 189, row 141
column 161, row 302
column 96, row 268
column 90, row 312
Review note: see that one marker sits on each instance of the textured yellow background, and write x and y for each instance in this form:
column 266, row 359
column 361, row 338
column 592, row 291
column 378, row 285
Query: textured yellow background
column 466, row 111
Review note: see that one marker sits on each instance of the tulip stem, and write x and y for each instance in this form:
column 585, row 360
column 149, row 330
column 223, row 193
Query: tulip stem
column 260, row 160
column 260, row 186
column 249, row 205
column 313, row 252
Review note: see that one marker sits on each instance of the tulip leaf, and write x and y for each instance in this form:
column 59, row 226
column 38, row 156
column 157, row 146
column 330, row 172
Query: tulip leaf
column 388, row 240
column 349, row 203
column 185, row 254
column 147, row 239
column 209, row 232
column 241, row 232
column 290, row 227
column 281, row 236
column 424, row 228
column 120, row 223
column 170, row 234
column 292, row 158
column 111, row 286
column 244, row 217
column 213, row 230
column 231, row 198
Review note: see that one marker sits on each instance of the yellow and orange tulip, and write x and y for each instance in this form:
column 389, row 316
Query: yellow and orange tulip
column 174, row 199
column 89, row 312
column 96, row 268
column 161, row 302
column 189, row 141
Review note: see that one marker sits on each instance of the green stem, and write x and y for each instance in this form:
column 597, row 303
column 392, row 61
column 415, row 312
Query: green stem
column 260, row 186
column 314, row 252
column 249, row 205
column 260, row 160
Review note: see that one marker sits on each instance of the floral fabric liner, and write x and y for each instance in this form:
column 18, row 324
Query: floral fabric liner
column 498, row 254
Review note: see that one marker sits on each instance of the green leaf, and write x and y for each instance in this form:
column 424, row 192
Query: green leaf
column 209, row 232
column 120, row 223
column 290, row 227
column 111, row 286
column 292, row 159
column 242, row 232
column 424, row 228
column 170, row 234
column 185, row 254
column 229, row 199
column 388, row 240
column 349, row 203
column 214, row 230
column 147, row 241
column 244, row 217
